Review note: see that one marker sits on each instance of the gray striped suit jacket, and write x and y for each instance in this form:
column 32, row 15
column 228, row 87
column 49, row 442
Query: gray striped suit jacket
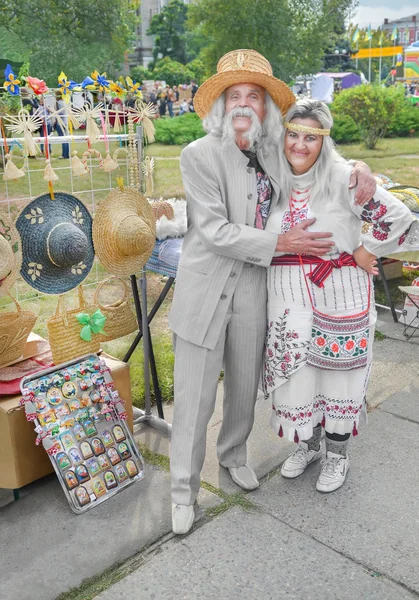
column 221, row 203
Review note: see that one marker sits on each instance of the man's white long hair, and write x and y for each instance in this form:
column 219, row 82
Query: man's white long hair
column 267, row 137
column 322, row 169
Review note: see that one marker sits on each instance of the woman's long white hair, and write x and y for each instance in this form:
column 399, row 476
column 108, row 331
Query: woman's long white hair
column 272, row 126
column 322, row 169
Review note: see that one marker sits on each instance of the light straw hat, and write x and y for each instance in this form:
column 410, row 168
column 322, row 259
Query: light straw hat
column 242, row 66
column 57, row 242
column 124, row 231
column 10, row 254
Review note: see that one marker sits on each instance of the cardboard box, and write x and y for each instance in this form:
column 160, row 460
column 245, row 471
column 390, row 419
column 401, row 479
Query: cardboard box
column 21, row 461
column 392, row 268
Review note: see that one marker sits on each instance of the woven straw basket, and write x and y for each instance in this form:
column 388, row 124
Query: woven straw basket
column 64, row 331
column 120, row 319
column 14, row 330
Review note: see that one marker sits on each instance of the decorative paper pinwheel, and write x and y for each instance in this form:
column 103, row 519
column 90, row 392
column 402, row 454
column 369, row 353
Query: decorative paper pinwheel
column 117, row 89
column 65, row 86
column 100, row 81
column 11, row 84
column 133, row 87
column 91, row 324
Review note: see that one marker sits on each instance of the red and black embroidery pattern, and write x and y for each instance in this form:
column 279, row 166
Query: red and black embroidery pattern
column 403, row 237
column 284, row 352
column 373, row 212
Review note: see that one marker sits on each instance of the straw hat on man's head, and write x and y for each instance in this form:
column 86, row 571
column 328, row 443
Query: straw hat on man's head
column 242, row 66
column 124, row 231
column 10, row 254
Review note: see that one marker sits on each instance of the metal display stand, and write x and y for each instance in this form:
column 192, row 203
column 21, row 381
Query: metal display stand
column 387, row 292
column 146, row 416
column 144, row 320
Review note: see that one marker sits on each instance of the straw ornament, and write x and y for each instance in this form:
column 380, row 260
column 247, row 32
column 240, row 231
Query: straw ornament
column 65, row 115
column 10, row 254
column 143, row 113
column 242, row 66
column 134, row 174
column 11, row 171
column 49, row 173
column 88, row 115
column 119, row 151
column 124, row 231
column 77, row 167
column 109, row 164
column 147, row 168
column 117, row 123
column 92, row 153
column 161, row 208
column 26, row 124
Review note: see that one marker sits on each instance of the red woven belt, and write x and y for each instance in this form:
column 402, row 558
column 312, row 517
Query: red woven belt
column 323, row 269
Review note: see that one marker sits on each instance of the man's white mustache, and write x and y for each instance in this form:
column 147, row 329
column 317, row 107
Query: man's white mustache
column 243, row 111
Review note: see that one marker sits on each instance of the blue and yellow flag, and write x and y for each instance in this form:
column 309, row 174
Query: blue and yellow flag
column 355, row 36
column 394, row 34
column 368, row 34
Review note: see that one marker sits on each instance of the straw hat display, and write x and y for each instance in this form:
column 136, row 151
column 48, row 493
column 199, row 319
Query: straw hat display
column 10, row 254
column 57, row 242
column 242, row 66
column 124, row 231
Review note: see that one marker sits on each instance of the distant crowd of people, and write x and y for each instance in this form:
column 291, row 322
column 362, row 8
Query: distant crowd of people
column 167, row 100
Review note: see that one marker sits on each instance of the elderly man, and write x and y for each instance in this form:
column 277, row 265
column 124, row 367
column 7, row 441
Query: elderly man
column 219, row 307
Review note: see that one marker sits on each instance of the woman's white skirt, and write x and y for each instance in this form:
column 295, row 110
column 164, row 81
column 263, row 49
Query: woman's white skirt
column 303, row 396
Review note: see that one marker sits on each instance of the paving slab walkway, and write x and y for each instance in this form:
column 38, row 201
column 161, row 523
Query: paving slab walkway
column 360, row 542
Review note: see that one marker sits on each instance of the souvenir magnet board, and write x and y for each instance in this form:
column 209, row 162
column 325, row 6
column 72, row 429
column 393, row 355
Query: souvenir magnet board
column 80, row 420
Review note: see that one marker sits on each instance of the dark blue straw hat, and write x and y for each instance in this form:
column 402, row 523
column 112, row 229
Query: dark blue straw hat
column 57, row 244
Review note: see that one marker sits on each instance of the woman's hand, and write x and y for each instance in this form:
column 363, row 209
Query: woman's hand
column 366, row 260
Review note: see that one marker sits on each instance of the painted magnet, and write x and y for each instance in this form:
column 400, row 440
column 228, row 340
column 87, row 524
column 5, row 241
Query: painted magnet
column 82, row 495
column 110, row 480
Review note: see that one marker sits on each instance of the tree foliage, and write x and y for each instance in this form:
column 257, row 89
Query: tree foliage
column 292, row 34
column 373, row 108
column 74, row 35
column 172, row 72
column 169, row 28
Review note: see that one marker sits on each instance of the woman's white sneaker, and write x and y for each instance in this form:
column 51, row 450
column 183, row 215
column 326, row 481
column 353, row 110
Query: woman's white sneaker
column 299, row 460
column 333, row 474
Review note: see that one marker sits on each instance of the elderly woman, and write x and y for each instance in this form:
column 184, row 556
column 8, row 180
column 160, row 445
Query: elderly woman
column 321, row 313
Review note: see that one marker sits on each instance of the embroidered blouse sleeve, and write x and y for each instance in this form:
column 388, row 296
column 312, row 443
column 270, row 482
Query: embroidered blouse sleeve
column 390, row 222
